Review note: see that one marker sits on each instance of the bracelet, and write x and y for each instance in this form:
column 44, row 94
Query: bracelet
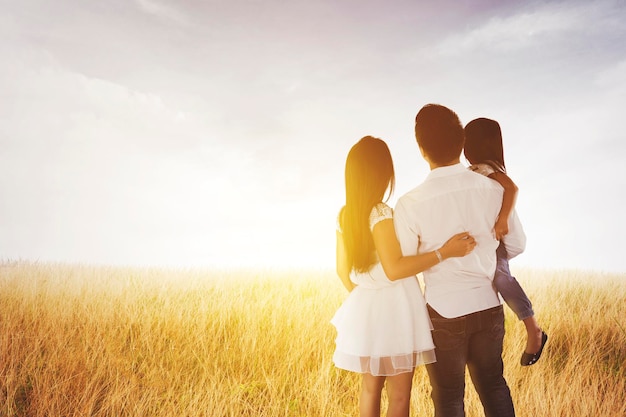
column 439, row 255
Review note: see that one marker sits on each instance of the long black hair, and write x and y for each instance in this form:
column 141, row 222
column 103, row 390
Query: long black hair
column 369, row 175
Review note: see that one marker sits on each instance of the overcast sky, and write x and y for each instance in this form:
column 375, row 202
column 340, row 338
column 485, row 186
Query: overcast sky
column 212, row 133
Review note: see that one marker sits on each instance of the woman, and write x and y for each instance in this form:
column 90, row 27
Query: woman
column 383, row 329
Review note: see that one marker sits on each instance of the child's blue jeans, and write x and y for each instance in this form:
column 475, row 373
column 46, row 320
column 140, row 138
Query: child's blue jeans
column 509, row 288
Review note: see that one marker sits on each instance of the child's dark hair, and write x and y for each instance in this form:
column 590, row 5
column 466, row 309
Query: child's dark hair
column 483, row 143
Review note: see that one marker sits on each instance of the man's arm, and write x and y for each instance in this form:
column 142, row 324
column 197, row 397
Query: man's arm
column 515, row 240
column 407, row 237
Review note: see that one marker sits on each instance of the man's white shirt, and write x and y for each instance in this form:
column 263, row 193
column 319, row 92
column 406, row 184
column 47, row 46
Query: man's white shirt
column 452, row 200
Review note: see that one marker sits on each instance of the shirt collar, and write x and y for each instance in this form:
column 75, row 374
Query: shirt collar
column 446, row 171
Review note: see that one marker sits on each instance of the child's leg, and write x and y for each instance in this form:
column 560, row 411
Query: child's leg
column 371, row 388
column 535, row 334
column 516, row 299
column 399, row 393
column 509, row 288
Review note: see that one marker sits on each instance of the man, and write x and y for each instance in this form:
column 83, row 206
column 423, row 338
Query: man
column 464, row 308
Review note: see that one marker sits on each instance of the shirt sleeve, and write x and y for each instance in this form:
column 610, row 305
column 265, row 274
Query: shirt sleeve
column 515, row 240
column 407, row 235
column 380, row 212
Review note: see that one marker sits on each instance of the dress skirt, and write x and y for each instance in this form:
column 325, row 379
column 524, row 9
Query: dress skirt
column 383, row 327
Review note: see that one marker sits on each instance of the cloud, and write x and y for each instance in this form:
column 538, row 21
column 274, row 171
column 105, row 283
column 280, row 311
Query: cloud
column 613, row 80
column 94, row 171
column 163, row 11
column 67, row 106
column 523, row 30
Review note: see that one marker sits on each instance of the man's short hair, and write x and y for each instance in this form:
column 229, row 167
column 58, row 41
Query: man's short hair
column 439, row 133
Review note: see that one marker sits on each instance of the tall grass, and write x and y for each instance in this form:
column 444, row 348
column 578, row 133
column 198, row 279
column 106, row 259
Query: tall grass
column 98, row 341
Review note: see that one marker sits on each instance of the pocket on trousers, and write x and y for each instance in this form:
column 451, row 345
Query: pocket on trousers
column 497, row 324
column 444, row 339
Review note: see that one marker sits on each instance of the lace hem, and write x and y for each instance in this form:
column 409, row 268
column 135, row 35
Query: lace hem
column 383, row 366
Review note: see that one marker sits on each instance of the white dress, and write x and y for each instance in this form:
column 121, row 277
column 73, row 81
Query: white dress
column 383, row 326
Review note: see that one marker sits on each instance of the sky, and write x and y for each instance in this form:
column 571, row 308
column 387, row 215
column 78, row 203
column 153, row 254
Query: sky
column 214, row 133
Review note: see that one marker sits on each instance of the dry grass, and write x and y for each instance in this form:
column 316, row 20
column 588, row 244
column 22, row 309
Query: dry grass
column 98, row 341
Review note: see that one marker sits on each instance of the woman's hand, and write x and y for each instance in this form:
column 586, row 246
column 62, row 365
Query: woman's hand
column 458, row 245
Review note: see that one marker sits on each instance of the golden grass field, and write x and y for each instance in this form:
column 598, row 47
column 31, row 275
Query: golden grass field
column 101, row 341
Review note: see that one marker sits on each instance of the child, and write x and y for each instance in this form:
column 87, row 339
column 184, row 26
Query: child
column 484, row 150
column 383, row 328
